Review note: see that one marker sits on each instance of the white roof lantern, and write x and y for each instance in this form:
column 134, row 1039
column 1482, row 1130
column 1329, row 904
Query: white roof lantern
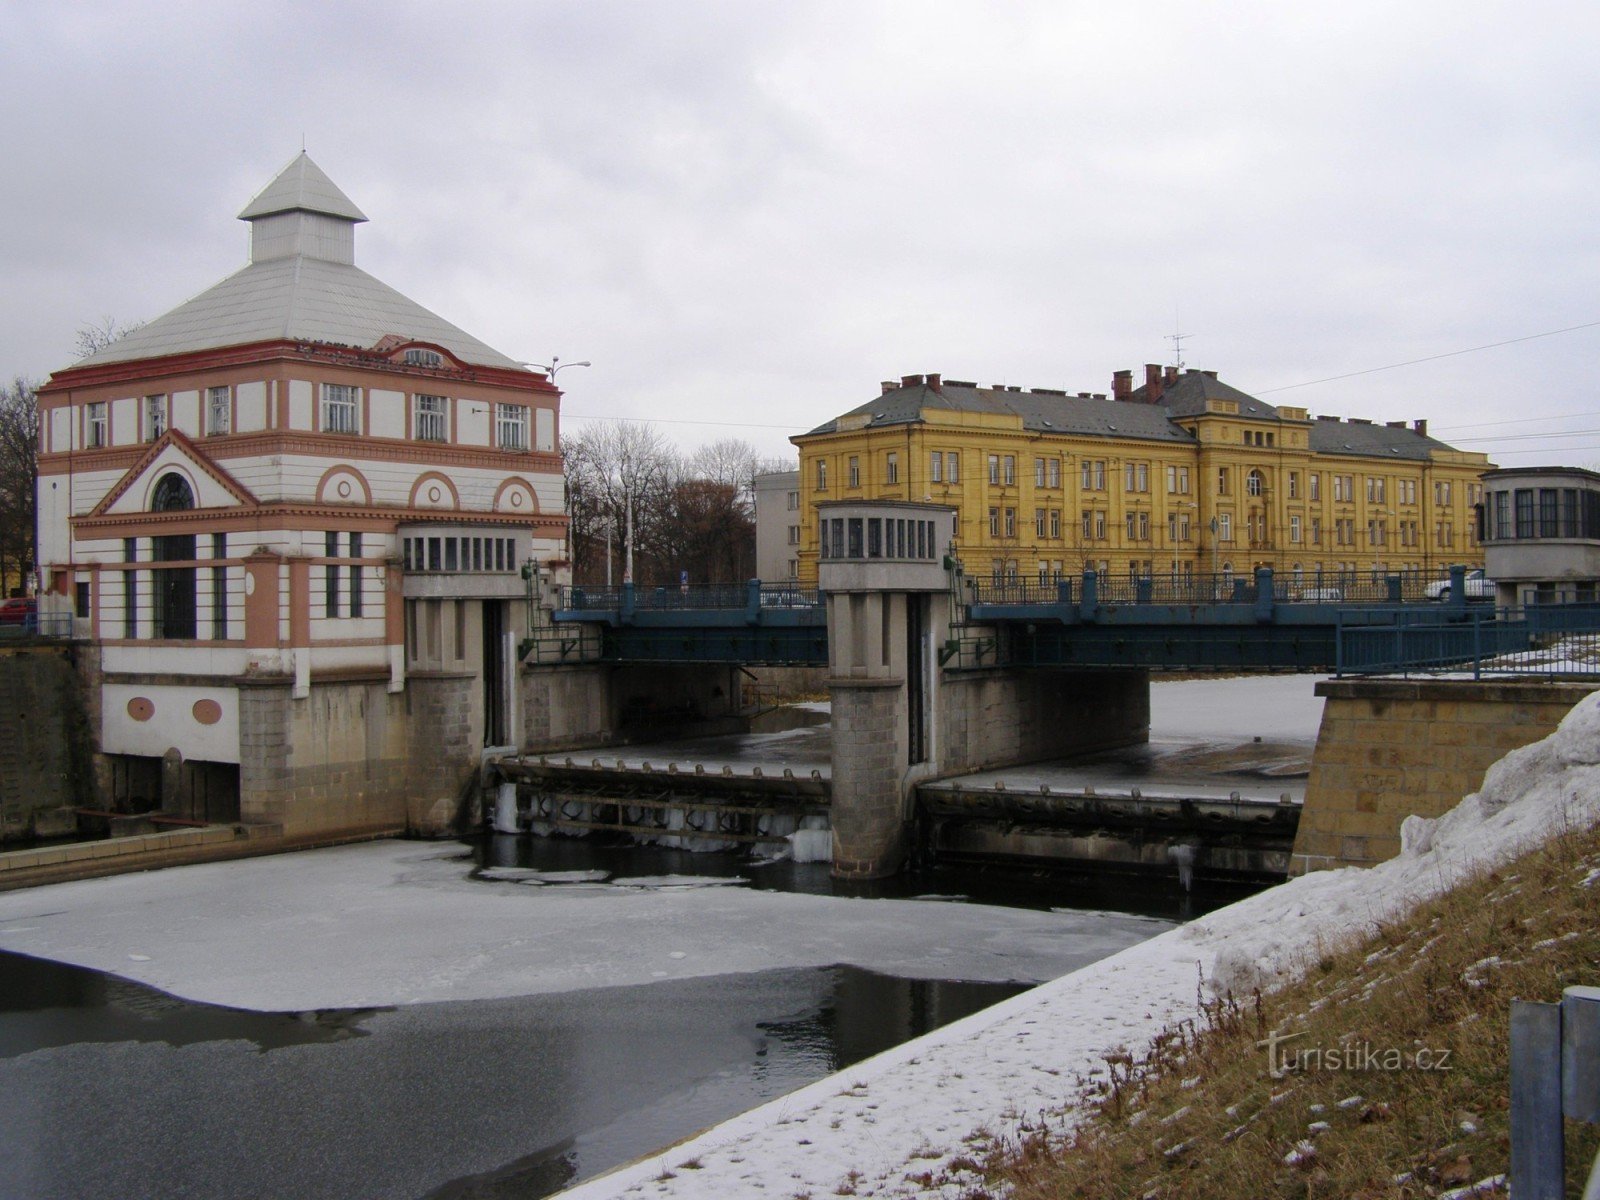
column 302, row 212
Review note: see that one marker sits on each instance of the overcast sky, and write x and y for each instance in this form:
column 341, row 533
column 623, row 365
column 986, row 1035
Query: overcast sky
column 747, row 214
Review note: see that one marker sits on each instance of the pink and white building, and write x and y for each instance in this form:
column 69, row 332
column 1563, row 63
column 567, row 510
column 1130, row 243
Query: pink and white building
column 291, row 517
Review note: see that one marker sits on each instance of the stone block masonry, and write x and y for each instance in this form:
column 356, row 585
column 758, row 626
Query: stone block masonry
column 44, row 739
column 868, row 753
column 1389, row 748
column 1000, row 718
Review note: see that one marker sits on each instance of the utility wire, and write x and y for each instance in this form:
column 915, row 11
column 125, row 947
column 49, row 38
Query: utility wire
column 677, row 421
column 1289, row 387
column 1519, row 421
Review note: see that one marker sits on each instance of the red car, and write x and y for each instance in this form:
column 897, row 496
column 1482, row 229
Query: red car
column 19, row 610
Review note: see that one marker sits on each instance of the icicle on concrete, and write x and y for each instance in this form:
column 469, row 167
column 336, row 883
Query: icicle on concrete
column 505, row 809
column 812, row 842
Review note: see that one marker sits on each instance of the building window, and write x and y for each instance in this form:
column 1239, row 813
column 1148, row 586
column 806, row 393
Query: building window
column 994, row 522
column 1093, row 475
column 1294, row 485
column 155, row 417
column 1316, row 531
column 1053, row 472
column 854, row 472
column 794, row 535
column 97, row 429
column 1294, row 528
column 428, row 418
column 1011, row 522
column 1441, row 491
column 219, row 411
column 330, row 578
column 994, row 469
column 511, row 426
column 1375, row 489
column 1055, row 523
column 1524, row 498
column 1008, row 466
column 173, row 588
column 1100, row 526
column 130, row 590
column 1315, row 482
column 794, row 501
column 219, row 588
column 1136, row 477
column 952, row 467
column 339, row 408
column 357, row 600
column 1225, row 527
column 423, row 358
column 822, row 474
column 1038, row 472
column 1343, row 489
column 1254, row 483
column 891, row 467
column 936, row 467
column 1224, row 482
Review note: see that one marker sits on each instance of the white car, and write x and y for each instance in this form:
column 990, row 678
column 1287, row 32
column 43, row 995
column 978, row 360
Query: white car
column 1477, row 587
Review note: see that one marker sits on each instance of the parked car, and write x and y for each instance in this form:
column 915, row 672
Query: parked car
column 19, row 610
column 1321, row 594
column 1477, row 587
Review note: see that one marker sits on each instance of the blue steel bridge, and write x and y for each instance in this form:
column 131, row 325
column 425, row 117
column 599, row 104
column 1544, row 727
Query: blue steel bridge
column 1345, row 622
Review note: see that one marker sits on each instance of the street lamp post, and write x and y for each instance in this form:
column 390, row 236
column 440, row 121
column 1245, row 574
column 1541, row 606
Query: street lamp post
column 555, row 365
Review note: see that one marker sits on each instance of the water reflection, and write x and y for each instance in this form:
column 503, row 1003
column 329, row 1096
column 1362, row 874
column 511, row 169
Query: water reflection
column 497, row 1098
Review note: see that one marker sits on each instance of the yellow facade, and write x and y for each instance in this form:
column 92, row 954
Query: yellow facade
column 1231, row 485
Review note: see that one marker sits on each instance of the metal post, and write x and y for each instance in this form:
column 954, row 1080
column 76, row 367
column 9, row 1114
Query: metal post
column 1089, row 603
column 1538, row 1147
column 1264, row 594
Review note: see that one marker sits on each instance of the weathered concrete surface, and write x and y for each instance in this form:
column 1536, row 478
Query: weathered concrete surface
column 1389, row 748
column 45, row 745
column 1003, row 717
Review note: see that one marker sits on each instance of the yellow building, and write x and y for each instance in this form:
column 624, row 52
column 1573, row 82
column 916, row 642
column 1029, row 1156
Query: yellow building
column 1182, row 476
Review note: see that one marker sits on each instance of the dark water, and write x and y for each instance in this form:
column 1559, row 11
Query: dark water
column 112, row 1089
column 1010, row 887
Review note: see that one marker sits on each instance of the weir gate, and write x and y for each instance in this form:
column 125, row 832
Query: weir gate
column 931, row 677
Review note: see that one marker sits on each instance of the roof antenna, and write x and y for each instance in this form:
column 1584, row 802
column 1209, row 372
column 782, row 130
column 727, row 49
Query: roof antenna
column 302, row 141
column 1177, row 337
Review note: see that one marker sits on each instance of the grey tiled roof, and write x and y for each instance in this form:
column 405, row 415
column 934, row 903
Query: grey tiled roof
column 298, row 298
column 1040, row 412
column 1186, row 396
column 302, row 185
column 1374, row 441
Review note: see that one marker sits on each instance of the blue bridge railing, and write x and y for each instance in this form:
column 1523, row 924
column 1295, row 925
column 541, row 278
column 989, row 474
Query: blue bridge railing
column 1549, row 641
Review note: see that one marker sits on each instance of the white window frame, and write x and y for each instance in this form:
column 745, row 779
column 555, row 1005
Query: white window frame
column 511, row 426
column 155, row 417
column 97, row 424
column 430, row 424
column 341, row 408
column 219, row 411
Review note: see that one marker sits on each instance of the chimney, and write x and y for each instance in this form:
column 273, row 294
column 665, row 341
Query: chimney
column 1209, row 374
column 1152, row 383
column 933, row 382
column 888, row 385
column 1083, row 395
column 1395, row 424
column 911, row 381
column 1172, row 376
column 1420, row 427
column 1122, row 384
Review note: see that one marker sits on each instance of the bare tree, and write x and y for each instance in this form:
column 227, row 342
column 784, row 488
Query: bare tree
column 95, row 337
column 19, row 466
column 614, row 471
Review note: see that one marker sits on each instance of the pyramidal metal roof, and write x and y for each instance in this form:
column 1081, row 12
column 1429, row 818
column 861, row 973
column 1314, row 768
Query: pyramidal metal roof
column 297, row 297
column 302, row 186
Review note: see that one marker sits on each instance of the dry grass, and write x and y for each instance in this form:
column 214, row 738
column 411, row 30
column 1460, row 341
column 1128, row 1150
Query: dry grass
column 1201, row 1115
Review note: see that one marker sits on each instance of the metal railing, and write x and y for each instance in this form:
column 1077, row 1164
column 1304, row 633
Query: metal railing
column 1548, row 641
column 40, row 625
column 632, row 597
column 1223, row 587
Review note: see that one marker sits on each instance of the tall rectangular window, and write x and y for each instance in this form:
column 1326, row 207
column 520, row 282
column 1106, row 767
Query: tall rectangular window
column 853, row 472
column 219, row 411
column 891, row 467
column 356, row 573
column 130, row 588
column 1524, row 497
column 330, row 578
column 428, row 418
column 1294, row 529
column 97, row 424
column 155, row 417
column 1038, row 472
column 511, row 426
column 1053, row 472
column 1224, row 482
column 219, row 588
column 1055, row 522
column 1038, row 522
column 952, row 467
column 994, row 469
column 822, row 474
column 340, row 408
column 1011, row 522
column 1315, row 484
column 936, row 467
column 1549, row 521
column 1008, row 466
column 1225, row 527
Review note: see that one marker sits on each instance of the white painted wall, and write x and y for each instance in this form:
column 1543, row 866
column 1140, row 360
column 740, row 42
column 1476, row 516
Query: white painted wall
column 388, row 413
column 183, row 413
column 173, row 723
column 250, row 407
column 125, row 429
column 544, row 426
column 473, row 422
column 302, row 412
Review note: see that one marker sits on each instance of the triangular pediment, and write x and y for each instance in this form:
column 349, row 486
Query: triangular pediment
column 213, row 486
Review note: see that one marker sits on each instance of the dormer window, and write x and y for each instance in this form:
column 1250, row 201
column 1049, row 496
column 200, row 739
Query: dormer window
column 423, row 358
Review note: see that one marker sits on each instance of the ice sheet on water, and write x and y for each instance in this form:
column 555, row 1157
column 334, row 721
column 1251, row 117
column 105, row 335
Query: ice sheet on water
column 661, row 882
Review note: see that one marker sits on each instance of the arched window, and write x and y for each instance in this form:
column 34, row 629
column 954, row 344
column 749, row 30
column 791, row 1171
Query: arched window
column 1255, row 484
column 173, row 593
column 172, row 494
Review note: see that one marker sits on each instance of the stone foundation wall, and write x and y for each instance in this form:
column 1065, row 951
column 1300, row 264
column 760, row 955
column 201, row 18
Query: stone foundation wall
column 1004, row 717
column 1390, row 748
column 336, row 762
column 564, row 707
column 45, row 740
column 869, row 731
column 442, row 711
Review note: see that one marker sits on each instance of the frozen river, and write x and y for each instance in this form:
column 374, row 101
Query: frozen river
column 381, row 1020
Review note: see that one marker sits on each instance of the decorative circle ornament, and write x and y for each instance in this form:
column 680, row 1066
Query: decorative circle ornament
column 140, row 708
column 207, row 712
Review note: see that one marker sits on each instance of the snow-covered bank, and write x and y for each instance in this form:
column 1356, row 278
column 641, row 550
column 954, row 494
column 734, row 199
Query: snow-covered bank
column 400, row 923
column 868, row 1130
